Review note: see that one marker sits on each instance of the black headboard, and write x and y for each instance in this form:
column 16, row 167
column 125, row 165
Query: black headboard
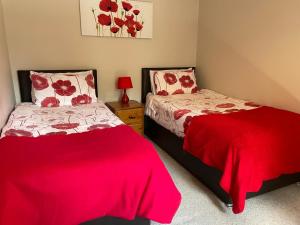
column 146, row 84
column 25, row 82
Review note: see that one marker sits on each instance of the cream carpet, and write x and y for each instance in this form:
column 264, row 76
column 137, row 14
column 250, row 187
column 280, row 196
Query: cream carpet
column 200, row 207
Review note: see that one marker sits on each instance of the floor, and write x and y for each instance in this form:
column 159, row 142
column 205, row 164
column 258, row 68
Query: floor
column 200, row 207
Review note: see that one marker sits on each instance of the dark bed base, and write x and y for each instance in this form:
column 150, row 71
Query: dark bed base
column 209, row 176
column 117, row 221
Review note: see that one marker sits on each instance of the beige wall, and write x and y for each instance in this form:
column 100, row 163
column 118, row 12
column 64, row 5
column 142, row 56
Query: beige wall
column 6, row 89
column 251, row 49
column 46, row 35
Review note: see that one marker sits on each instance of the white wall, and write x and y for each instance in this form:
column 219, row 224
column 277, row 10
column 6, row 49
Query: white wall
column 46, row 35
column 6, row 89
column 251, row 49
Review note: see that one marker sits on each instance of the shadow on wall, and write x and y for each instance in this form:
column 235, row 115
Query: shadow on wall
column 222, row 69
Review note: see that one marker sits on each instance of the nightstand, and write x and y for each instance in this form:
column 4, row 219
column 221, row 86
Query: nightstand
column 131, row 114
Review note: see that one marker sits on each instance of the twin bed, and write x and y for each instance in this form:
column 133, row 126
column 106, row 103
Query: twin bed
column 167, row 118
column 55, row 178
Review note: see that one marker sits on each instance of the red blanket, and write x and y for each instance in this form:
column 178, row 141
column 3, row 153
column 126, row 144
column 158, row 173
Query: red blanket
column 248, row 146
column 67, row 180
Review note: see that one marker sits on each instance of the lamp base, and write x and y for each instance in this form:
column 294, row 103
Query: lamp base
column 124, row 98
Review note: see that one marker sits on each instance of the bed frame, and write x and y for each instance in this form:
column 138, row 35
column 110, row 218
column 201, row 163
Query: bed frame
column 209, row 176
column 25, row 91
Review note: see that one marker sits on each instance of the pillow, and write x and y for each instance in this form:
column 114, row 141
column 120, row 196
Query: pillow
column 152, row 72
column 175, row 82
column 60, row 89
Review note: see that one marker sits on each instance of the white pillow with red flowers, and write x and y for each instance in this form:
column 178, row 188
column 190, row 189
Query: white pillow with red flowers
column 174, row 82
column 59, row 89
column 152, row 72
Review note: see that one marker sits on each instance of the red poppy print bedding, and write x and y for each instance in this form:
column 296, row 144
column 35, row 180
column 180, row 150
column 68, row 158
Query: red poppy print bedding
column 173, row 82
column 153, row 72
column 59, row 89
column 80, row 177
column 174, row 112
column 31, row 120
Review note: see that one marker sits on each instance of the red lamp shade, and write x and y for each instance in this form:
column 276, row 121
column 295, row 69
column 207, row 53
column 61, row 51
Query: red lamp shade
column 124, row 83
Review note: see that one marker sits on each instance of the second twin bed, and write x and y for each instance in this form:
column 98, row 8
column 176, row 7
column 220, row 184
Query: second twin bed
column 237, row 148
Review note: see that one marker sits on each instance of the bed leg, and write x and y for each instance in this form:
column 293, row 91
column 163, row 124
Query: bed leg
column 229, row 205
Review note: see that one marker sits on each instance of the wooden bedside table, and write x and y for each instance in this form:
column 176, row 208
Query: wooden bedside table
column 131, row 114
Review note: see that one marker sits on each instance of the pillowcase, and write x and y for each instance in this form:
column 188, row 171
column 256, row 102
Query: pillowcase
column 175, row 82
column 60, row 89
column 152, row 72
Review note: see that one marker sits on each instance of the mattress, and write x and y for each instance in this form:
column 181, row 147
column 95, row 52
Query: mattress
column 30, row 120
column 174, row 112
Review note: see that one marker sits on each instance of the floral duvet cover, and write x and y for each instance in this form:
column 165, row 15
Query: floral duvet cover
column 30, row 120
column 174, row 112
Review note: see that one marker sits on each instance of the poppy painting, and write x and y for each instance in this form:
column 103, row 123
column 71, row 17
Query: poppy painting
column 116, row 18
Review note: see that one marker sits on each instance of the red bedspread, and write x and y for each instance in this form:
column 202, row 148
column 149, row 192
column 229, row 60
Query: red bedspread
column 67, row 180
column 248, row 146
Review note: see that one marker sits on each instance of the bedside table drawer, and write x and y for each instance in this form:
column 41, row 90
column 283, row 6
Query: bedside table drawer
column 132, row 116
column 138, row 128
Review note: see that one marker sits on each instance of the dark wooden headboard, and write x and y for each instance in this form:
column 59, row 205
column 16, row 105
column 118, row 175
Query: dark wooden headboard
column 146, row 84
column 25, row 82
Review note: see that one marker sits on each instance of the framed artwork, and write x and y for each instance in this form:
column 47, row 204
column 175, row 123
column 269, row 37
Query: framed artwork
column 116, row 18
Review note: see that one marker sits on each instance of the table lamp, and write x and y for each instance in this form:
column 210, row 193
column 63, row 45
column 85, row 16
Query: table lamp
column 124, row 83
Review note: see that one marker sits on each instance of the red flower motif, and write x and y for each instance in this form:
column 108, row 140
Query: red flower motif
column 163, row 93
column 50, row 102
column 64, row 87
column 38, row 82
column 225, row 105
column 65, row 126
column 136, row 12
column 187, row 123
column 81, row 99
column 104, row 20
column 129, row 22
column 126, row 6
column 114, row 30
column 138, row 26
column 251, row 104
column 131, row 31
column 180, row 113
column 209, row 112
column 195, row 90
column 90, row 81
column 186, row 81
column 130, row 17
column 119, row 22
column 17, row 133
column 178, row 92
column 170, row 78
column 108, row 6
column 98, row 126
column 56, row 133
